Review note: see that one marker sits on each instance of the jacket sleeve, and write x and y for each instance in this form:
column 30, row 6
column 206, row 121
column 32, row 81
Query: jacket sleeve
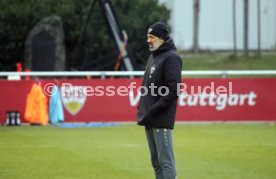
column 172, row 76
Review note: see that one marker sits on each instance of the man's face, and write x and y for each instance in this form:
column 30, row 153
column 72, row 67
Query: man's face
column 154, row 42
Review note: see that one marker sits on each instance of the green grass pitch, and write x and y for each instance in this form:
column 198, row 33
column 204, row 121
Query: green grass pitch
column 211, row 151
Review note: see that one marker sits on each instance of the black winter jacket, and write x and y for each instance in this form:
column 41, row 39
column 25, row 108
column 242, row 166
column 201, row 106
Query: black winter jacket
column 156, row 109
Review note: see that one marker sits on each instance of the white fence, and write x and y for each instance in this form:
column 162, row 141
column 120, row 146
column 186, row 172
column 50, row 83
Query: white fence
column 104, row 74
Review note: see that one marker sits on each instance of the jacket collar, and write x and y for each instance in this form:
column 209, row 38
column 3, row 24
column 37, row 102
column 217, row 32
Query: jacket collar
column 166, row 46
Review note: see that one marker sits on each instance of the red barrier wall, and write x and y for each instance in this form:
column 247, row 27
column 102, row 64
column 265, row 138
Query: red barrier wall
column 251, row 99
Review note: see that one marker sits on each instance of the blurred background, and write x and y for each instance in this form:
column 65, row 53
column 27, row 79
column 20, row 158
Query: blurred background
column 201, row 29
column 221, row 22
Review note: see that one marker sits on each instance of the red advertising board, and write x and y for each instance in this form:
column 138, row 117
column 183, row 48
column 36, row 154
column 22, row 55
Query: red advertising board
column 87, row 100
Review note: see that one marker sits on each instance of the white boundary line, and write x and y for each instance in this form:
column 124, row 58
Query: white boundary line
column 104, row 74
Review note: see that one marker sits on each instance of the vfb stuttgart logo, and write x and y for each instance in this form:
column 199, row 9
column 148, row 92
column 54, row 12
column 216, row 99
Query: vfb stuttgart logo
column 73, row 98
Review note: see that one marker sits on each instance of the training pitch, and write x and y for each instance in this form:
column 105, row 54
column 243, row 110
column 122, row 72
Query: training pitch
column 211, row 151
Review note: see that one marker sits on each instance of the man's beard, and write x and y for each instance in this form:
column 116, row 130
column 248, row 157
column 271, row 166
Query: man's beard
column 153, row 47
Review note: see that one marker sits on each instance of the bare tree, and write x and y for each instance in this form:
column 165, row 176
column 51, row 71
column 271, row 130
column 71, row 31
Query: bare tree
column 245, row 28
column 196, row 26
column 234, row 29
column 259, row 27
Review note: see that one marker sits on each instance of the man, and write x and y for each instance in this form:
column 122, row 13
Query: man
column 157, row 107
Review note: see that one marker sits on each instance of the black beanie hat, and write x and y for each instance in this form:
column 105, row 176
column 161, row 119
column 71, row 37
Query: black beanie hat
column 160, row 30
